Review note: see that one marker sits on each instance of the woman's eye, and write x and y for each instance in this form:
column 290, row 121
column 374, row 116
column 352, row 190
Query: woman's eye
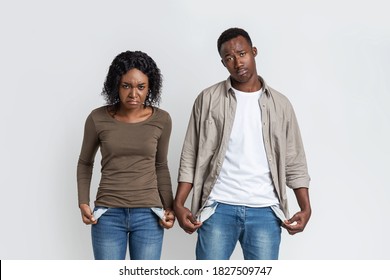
column 141, row 87
column 125, row 86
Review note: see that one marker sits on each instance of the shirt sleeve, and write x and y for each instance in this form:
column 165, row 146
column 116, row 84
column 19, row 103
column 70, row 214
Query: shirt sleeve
column 296, row 167
column 89, row 148
column 162, row 171
column 190, row 146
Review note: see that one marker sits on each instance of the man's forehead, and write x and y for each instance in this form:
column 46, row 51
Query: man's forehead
column 235, row 44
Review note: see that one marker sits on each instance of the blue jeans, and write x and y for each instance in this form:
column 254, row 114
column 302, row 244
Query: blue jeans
column 137, row 226
column 257, row 229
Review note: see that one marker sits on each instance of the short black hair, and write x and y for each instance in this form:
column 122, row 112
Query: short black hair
column 230, row 34
column 126, row 61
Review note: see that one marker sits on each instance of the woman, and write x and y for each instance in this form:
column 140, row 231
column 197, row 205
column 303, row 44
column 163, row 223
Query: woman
column 134, row 199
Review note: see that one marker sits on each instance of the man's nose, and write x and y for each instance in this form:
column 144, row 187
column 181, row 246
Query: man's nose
column 237, row 62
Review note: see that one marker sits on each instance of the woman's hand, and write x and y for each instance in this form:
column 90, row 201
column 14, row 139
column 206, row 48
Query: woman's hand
column 86, row 214
column 169, row 219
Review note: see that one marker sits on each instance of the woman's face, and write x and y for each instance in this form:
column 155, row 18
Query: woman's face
column 133, row 89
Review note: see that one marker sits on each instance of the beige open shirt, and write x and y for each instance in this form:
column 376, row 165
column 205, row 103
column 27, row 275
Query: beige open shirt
column 208, row 134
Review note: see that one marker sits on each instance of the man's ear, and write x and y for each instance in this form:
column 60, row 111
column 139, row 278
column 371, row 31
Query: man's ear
column 254, row 51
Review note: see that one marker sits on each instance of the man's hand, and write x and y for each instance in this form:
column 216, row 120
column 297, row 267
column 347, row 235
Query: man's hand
column 184, row 216
column 186, row 220
column 298, row 222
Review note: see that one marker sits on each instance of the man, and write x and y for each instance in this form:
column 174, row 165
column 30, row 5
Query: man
column 241, row 149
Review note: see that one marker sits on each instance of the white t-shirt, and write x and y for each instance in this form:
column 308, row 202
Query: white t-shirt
column 245, row 177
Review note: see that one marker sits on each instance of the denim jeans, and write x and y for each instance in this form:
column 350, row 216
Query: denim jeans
column 137, row 227
column 257, row 229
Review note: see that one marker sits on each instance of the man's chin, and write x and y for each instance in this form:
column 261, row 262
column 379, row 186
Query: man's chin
column 239, row 79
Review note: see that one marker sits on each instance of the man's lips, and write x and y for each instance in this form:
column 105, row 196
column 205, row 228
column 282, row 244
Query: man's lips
column 242, row 72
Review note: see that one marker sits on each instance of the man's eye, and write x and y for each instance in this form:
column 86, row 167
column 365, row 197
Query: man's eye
column 242, row 54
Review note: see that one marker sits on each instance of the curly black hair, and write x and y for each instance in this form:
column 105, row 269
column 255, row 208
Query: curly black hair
column 126, row 61
column 230, row 34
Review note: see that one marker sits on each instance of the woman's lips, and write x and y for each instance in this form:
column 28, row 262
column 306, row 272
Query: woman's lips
column 130, row 101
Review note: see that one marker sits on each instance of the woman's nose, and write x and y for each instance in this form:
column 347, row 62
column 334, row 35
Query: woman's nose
column 132, row 92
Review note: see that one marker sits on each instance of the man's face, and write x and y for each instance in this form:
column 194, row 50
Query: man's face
column 239, row 59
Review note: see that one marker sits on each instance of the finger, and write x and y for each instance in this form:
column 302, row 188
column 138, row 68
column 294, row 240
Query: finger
column 87, row 214
column 163, row 224
column 192, row 227
column 170, row 212
column 293, row 219
column 191, row 218
column 190, row 230
column 295, row 228
column 166, row 224
column 292, row 232
column 291, row 224
column 160, row 222
column 169, row 217
column 89, row 219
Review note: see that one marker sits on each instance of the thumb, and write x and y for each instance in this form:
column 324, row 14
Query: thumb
column 293, row 220
column 88, row 213
column 191, row 218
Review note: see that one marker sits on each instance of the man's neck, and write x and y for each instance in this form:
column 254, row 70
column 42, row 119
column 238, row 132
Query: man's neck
column 249, row 86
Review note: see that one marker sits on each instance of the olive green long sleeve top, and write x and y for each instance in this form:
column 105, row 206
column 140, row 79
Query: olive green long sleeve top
column 134, row 166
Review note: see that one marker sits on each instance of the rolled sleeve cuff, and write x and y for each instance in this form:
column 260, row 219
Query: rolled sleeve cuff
column 183, row 177
column 299, row 183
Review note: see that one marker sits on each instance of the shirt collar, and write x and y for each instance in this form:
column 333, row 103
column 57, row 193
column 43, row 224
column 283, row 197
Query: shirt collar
column 229, row 87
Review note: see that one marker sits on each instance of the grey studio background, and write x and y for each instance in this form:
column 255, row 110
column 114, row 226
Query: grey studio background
column 331, row 58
